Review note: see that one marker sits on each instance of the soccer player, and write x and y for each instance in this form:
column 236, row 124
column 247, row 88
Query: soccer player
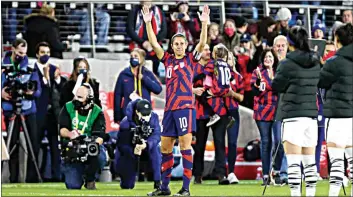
column 178, row 120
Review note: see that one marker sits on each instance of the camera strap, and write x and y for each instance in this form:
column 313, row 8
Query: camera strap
column 85, row 125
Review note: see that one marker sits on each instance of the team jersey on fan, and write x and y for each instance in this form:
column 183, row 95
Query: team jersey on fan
column 179, row 76
column 221, row 75
column 199, row 75
column 237, row 85
column 265, row 101
column 220, row 85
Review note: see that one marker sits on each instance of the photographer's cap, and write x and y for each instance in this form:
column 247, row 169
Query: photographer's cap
column 144, row 107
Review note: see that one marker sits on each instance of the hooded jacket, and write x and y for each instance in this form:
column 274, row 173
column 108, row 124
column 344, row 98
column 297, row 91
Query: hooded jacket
column 296, row 79
column 28, row 106
column 125, row 135
column 337, row 78
column 42, row 28
column 125, row 85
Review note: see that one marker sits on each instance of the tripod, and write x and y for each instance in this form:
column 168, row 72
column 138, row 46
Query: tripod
column 27, row 137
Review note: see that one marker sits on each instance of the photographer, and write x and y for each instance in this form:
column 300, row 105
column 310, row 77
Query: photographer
column 80, row 118
column 19, row 83
column 139, row 134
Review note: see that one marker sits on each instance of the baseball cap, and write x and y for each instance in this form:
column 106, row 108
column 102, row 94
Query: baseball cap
column 245, row 37
column 144, row 107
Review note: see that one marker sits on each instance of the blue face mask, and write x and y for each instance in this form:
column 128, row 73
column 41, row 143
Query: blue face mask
column 134, row 62
column 44, row 59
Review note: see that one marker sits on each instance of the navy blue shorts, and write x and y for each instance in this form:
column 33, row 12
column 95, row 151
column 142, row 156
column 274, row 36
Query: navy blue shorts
column 179, row 122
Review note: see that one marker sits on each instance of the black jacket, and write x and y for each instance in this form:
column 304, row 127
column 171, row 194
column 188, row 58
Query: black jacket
column 337, row 78
column 67, row 95
column 41, row 28
column 296, row 79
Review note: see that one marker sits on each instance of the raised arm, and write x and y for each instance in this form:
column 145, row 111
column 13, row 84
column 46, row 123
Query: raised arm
column 204, row 18
column 147, row 17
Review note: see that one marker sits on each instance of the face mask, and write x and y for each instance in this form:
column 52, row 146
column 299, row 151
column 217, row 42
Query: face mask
column 18, row 59
column 43, row 59
column 229, row 31
column 77, row 104
column 134, row 62
column 82, row 71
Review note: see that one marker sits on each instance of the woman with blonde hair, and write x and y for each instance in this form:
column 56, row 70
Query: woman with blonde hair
column 81, row 73
column 135, row 81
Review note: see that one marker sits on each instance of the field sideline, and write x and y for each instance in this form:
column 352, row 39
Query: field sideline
column 208, row 188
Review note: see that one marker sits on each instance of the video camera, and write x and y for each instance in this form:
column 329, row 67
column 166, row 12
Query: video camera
column 78, row 149
column 18, row 82
column 141, row 132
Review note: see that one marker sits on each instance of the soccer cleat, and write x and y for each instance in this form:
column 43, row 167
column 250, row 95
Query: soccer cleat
column 232, row 178
column 159, row 192
column 231, row 122
column 213, row 120
column 277, row 180
column 157, row 184
column 183, row 192
column 223, row 181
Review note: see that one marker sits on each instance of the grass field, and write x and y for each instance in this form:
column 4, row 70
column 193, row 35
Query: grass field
column 208, row 188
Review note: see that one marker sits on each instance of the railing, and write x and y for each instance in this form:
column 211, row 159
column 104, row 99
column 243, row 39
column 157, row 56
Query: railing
column 328, row 14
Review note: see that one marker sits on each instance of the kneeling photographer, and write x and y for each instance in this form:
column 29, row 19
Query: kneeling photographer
column 19, row 88
column 82, row 125
column 139, row 134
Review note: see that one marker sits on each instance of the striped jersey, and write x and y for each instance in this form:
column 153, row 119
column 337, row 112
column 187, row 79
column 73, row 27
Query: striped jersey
column 265, row 102
column 179, row 76
column 237, row 85
column 201, row 111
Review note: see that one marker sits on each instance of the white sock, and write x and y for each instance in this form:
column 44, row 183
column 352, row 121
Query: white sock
column 349, row 156
column 337, row 170
column 310, row 171
column 294, row 174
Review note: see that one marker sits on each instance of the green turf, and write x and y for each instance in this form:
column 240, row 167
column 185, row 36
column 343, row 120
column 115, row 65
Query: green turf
column 208, row 188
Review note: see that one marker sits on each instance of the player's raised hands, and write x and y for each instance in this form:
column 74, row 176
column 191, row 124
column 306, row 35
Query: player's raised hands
column 147, row 15
column 205, row 16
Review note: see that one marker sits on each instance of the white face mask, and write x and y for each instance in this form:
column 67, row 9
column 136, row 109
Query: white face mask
column 144, row 118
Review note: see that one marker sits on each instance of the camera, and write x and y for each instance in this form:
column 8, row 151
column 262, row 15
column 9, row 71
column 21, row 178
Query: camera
column 80, row 148
column 141, row 132
column 18, row 82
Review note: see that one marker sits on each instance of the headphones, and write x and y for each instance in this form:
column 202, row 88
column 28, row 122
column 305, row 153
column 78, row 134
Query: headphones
column 90, row 96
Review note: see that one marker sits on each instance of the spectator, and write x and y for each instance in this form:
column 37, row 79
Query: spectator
column 133, row 82
column 280, row 46
column 241, row 25
column 244, row 55
column 229, row 36
column 265, row 32
column 82, row 68
column 284, row 15
column 182, row 22
column 319, row 30
column 43, row 27
column 213, row 35
column 233, row 111
column 48, row 107
column 136, row 29
column 265, row 103
column 102, row 24
column 347, row 16
column 18, row 59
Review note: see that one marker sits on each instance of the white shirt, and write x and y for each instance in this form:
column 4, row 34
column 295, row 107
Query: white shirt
column 41, row 69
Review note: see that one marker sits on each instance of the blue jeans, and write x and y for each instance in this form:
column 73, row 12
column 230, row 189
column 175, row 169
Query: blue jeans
column 74, row 172
column 284, row 166
column 267, row 128
column 84, row 27
column 9, row 18
column 232, row 133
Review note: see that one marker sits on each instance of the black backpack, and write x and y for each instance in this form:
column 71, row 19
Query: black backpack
column 252, row 151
